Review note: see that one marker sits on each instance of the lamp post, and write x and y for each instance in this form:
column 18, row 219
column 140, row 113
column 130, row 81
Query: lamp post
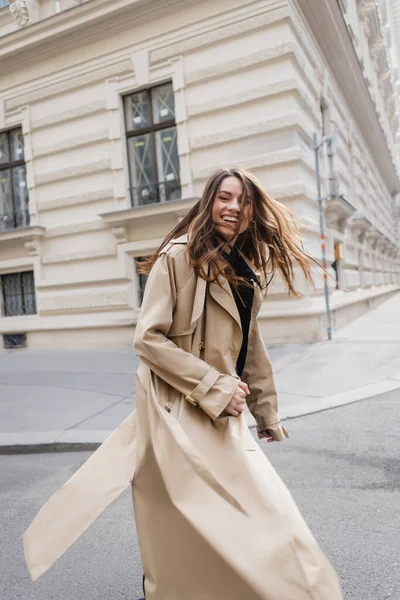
column 328, row 140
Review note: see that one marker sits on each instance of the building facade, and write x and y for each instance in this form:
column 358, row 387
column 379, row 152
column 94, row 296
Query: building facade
column 113, row 114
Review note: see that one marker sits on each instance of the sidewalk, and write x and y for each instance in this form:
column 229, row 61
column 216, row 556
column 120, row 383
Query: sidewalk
column 66, row 400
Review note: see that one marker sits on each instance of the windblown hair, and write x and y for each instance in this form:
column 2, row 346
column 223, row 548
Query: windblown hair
column 272, row 242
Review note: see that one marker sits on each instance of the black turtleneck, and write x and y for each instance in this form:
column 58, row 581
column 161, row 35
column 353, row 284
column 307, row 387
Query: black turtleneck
column 243, row 296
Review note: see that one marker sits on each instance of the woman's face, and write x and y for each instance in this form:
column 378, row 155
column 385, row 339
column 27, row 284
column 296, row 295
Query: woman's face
column 226, row 209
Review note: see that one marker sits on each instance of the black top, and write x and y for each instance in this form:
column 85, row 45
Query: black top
column 243, row 296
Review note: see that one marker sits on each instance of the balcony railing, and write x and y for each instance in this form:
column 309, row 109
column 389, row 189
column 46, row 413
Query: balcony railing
column 155, row 192
column 14, row 220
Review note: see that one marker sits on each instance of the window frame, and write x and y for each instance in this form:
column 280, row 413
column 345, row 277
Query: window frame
column 151, row 130
column 12, row 164
column 22, row 292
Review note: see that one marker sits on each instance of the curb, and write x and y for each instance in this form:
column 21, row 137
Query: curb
column 89, row 440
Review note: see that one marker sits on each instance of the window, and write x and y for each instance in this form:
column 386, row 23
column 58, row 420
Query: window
column 3, row 3
column 14, row 210
column 152, row 145
column 142, row 279
column 17, row 294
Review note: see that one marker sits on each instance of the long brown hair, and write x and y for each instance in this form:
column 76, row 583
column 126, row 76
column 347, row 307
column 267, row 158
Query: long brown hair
column 272, row 242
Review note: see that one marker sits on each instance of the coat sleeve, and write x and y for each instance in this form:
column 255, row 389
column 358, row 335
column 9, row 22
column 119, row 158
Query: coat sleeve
column 262, row 401
column 201, row 384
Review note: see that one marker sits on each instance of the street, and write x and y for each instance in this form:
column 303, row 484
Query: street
column 342, row 467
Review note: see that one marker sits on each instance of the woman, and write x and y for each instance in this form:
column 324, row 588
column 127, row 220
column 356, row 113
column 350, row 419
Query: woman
column 214, row 520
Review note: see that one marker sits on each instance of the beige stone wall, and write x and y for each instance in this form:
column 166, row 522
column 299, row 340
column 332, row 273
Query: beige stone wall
column 249, row 78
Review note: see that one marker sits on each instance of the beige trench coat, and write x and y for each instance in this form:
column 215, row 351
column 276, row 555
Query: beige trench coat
column 215, row 521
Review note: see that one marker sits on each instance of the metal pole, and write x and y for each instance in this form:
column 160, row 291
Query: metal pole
column 322, row 231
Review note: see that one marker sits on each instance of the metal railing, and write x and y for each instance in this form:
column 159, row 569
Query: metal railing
column 14, row 220
column 152, row 193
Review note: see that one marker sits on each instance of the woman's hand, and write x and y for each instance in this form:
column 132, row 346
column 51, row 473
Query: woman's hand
column 238, row 400
column 265, row 435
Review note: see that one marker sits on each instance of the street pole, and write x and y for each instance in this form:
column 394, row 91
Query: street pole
column 322, row 232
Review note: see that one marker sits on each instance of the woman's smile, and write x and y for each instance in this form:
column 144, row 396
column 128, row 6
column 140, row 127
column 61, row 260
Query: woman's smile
column 227, row 209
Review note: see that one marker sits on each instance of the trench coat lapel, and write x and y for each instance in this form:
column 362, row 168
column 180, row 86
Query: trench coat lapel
column 258, row 300
column 199, row 299
column 222, row 293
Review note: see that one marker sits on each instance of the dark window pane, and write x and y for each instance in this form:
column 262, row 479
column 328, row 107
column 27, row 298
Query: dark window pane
column 12, row 296
column 17, row 145
column 28, row 291
column 20, row 196
column 163, row 103
column 18, row 294
column 168, row 163
column 4, row 154
column 137, row 111
column 14, row 340
column 6, row 204
column 141, row 165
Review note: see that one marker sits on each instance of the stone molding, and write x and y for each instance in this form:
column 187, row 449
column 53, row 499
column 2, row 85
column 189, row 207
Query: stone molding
column 294, row 154
column 95, row 300
column 32, row 246
column 25, row 234
column 260, row 57
column 76, row 200
column 359, row 226
column 120, row 232
column 119, row 219
column 75, row 229
column 230, row 24
column 69, row 283
column 276, row 88
column 74, row 171
column 338, row 211
column 365, row 9
column 73, row 78
column 69, row 115
column 287, row 121
column 80, row 141
column 25, row 12
column 102, row 252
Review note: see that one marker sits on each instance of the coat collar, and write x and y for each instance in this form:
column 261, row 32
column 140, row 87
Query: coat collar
column 183, row 239
column 220, row 291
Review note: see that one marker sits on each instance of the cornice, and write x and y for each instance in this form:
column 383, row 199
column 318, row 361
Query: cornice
column 59, row 24
column 120, row 218
column 34, row 232
column 331, row 33
column 91, row 20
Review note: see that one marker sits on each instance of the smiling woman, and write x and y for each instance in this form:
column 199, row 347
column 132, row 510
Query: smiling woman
column 236, row 210
column 227, row 210
column 214, row 519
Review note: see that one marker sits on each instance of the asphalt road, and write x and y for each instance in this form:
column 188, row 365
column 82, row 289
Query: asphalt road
column 342, row 466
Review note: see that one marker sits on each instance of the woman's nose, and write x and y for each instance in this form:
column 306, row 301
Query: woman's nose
column 234, row 204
